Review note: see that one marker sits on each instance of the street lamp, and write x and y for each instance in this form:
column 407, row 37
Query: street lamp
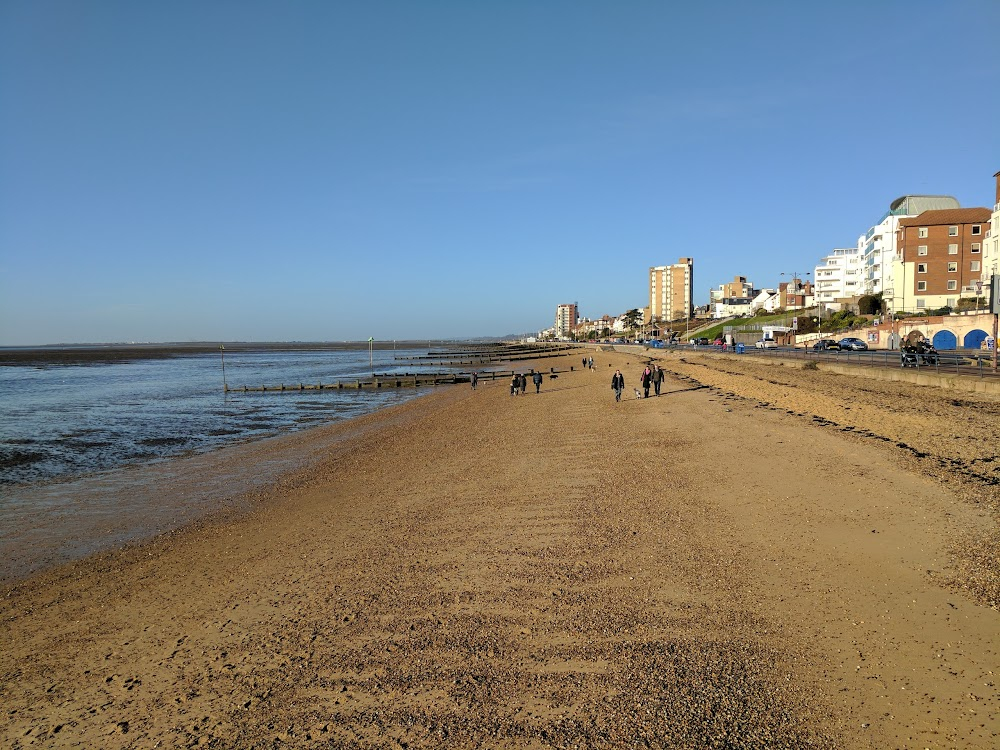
column 890, row 294
column 808, row 274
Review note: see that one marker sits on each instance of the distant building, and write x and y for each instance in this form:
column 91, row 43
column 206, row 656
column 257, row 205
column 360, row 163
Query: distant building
column 671, row 291
column 991, row 242
column 733, row 298
column 839, row 277
column 727, row 307
column 794, row 294
column 878, row 245
column 767, row 300
column 940, row 258
column 738, row 287
column 566, row 316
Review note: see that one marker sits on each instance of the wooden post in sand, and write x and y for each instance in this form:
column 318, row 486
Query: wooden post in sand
column 222, row 353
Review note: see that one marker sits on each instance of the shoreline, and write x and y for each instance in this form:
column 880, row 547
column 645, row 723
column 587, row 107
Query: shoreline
column 201, row 485
column 474, row 568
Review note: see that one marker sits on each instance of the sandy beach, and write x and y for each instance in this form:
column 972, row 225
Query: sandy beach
column 764, row 556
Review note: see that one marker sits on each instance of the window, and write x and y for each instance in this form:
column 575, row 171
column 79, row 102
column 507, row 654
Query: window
column 975, row 247
column 952, row 249
column 953, row 231
column 921, row 268
column 922, row 232
column 953, row 267
column 951, row 302
column 974, row 266
column 921, row 286
column 921, row 303
column 952, row 285
column 977, row 229
column 921, row 249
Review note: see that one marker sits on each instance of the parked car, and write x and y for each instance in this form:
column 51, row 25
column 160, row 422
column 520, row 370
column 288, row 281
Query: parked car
column 701, row 341
column 824, row 345
column 766, row 344
column 853, row 344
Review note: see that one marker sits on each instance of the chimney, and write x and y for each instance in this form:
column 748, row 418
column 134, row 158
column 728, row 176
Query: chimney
column 997, row 176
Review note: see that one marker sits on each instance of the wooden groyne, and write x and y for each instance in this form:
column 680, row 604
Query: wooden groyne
column 376, row 382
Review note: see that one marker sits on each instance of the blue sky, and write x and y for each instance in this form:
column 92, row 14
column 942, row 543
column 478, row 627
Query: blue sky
column 329, row 170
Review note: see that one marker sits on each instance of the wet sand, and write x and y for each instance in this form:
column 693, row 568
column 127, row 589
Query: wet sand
column 763, row 556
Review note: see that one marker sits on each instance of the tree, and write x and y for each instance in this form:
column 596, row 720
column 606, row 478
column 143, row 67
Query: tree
column 972, row 303
column 870, row 304
column 632, row 319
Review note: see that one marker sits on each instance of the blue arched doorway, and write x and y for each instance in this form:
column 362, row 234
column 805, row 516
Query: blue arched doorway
column 974, row 339
column 944, row 340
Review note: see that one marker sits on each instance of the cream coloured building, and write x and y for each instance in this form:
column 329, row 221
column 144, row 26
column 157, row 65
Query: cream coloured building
column 671, row 291
column 566, row 316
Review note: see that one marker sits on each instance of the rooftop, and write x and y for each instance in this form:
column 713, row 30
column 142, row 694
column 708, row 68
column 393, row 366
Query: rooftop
column 948, row 216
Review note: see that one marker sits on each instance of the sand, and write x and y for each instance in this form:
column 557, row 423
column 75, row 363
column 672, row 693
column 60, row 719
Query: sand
column 763, row 556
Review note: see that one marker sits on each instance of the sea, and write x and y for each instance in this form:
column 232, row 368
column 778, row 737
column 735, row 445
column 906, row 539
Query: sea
column 97, row 455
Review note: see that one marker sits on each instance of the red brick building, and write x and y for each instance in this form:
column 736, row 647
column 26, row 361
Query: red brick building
column 939, row 257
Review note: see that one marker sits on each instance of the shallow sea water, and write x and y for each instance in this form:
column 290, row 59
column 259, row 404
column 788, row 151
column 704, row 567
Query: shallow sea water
column 93, row 456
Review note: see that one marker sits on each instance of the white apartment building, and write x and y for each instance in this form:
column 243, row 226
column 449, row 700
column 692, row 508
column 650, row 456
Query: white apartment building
column 878, row 245
column 991, row 243
column 840, row 275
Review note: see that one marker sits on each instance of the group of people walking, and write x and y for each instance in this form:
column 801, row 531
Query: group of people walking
column 519, row 383
column 652, row 375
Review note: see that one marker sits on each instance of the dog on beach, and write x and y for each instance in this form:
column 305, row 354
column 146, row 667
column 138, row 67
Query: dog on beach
column 637, row 394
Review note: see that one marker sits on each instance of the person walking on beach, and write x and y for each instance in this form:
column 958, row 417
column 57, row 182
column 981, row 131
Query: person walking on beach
column 590, row 362
column 515, row 384
column 657, row 378
column 523, row 384
column 647, row 378
column 474, row 379
column 618, row 384
column 536, row 378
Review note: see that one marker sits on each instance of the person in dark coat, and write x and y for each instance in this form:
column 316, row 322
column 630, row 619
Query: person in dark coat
column 536, row 378
column 474, row 380
column 647, row 378
column 657, row 378
column 524, row 384
column 618, row 384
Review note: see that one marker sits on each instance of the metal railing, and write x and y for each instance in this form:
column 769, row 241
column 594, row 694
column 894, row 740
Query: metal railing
column 971, row 364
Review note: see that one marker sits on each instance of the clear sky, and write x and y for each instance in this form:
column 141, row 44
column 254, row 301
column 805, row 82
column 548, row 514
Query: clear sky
column 234, row 170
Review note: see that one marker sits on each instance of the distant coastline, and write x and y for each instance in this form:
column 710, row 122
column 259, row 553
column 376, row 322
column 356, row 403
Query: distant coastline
column 82, row 354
